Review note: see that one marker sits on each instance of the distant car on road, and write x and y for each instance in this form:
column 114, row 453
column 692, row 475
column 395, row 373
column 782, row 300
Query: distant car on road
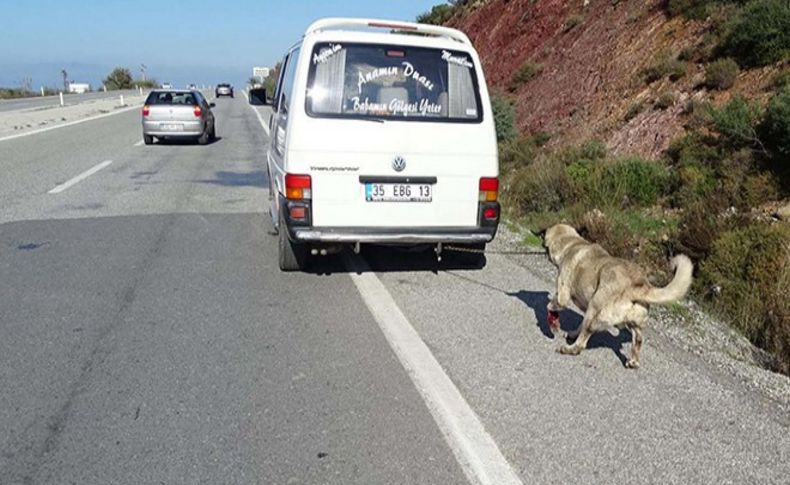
column 167, row 86
column 178, row 113
column 224, row 90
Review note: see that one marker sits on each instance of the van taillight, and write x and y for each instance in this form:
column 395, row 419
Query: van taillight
column 146, row 110
column 489, row 189
column 298, row 187
column 198, row 111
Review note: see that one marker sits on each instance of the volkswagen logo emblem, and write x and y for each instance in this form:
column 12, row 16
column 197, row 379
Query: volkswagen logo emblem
column 398, row 164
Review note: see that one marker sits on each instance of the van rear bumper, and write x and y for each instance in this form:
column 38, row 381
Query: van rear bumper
column 394, row 235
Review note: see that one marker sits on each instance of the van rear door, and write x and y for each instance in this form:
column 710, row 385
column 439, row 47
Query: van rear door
column 394, row 137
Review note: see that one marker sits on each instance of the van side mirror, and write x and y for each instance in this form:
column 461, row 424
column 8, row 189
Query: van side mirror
column 257, row 96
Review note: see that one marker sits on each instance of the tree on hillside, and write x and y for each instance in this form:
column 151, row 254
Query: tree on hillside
column 271, row 80
column 119, row 78
column 438, row 15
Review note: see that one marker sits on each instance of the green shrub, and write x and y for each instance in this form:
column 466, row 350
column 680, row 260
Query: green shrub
column 759, row 34
column 688, row 53
column 692, row 183
column 693, row 9
column 664, row 65
column 782, row 80
column 749, row 267
column 774, row 129
column 721, row 74
column 540, row 186
column 572, row 22
column 504, row 117
column 592, row 150
column 631, row 182
column 692, row 149
column 529, row 70
column 758, row 188
column 633, row 110
column 735, row 123
column 665, row 100
column 517, row 152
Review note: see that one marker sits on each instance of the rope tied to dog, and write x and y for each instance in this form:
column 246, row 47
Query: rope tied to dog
column 488, row 251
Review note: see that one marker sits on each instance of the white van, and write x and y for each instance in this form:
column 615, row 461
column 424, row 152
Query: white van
column 382, row 133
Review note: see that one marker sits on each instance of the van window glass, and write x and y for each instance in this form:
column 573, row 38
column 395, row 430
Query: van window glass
column 170, row 98
column 381, row 81
column 288, row 79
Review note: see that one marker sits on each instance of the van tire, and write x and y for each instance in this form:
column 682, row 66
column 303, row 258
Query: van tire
column 291, row 256
column 148, row 139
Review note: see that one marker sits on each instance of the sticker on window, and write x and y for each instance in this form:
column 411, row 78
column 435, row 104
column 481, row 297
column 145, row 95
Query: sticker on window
column 458, row 60
column 471, row 112
column 326, row 53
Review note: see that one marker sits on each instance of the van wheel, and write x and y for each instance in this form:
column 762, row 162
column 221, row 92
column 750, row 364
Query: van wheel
column 291, row 256
column 148, row 139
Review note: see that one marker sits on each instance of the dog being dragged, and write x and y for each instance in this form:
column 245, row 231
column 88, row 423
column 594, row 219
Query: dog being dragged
column 611, row 292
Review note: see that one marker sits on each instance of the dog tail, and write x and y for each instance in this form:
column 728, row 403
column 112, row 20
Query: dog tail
column 677, row 288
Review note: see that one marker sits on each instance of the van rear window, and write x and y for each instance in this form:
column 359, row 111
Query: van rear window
column 392, row 82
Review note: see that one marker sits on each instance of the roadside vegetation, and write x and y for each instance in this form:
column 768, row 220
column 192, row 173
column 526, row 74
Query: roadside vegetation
column 720, row 193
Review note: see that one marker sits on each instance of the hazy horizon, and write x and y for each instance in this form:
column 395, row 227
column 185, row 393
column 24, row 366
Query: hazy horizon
column 179, row 43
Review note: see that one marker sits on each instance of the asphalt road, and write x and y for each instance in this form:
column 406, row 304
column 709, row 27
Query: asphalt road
column 68, row 99
column 146, row 337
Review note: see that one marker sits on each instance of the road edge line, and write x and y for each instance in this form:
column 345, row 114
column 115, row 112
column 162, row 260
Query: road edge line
column 475, row 450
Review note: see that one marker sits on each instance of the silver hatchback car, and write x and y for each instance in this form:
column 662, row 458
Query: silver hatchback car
column 178, row 114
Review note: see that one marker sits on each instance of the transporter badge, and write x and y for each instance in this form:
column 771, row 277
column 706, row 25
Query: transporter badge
column 399, row 163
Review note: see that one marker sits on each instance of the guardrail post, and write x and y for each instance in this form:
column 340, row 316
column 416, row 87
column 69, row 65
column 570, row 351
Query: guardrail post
column 61, row 98
column 141, row 90
column 42, row 90
column 122, row 100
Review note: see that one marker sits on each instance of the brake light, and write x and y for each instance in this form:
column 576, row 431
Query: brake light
column 198, row 111
column 391, row 26
column 489, row 189
column 146, row 110
column 298, row 187
column 490, row 213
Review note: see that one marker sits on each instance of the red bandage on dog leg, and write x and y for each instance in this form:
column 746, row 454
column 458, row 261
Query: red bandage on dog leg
column 554, row 319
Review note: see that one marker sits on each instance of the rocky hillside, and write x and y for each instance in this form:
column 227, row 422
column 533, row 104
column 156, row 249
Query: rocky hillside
column 589, row 64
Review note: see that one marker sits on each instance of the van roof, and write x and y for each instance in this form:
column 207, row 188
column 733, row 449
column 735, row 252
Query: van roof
column 340, row 23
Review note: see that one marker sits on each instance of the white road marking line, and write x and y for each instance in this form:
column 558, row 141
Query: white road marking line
column 79, row 178
column 257, row 113
column 70, row 123
column 475, row 450
column 139, row 143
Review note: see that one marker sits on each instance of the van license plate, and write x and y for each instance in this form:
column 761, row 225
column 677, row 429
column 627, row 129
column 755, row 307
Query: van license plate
column 398, row 192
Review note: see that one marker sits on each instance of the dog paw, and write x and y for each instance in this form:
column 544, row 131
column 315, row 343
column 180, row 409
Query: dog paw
column 568, row 350
column 632, row 364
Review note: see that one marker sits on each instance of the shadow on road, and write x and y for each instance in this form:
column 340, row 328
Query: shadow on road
column 185, row 141
column 390, row 259
column 256, row 178
column 569, row 321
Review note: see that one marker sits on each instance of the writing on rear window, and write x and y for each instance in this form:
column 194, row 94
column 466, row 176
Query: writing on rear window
column 395, row 82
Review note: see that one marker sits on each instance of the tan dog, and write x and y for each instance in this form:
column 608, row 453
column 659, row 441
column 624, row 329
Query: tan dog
column 610, row 291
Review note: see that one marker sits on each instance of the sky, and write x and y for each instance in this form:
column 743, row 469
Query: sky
column 196, row 41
